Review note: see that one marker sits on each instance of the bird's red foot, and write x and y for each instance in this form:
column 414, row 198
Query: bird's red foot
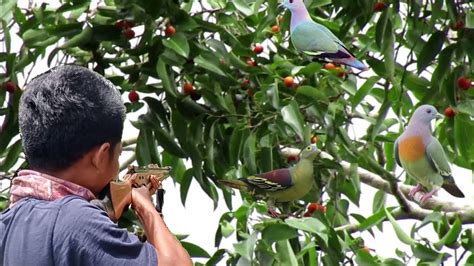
column 428, row 195
column 273, row 213
column 415, row 190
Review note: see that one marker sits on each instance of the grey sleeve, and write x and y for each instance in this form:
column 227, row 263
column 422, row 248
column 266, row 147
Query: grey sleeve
column 84, row 235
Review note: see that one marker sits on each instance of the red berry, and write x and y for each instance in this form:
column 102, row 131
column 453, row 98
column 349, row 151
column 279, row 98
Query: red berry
column 128, row 33
column 329, row 66
column 275, row 28
column 250, row 92
column 245, row 83
column 379, row 6
column 322, row 209
column 10, row 86
column 195, row 95
column 124, row 24
column 307, row 214
column 133, row 96
column 312, row 207
column 188, row 88
column 251, row 63
column 464, row 83
column 170, row 31
column 258, row 49
column 449, row 112
column 365, row 249
column 289, row 81
column 314, row 139
column 128, row 24
column 458, row 25
column 119, row 24
column 292, row 158
column 340, row 72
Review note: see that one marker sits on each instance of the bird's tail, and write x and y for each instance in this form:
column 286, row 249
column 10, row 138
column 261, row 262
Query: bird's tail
column 351, row 61
column 453, row 189
column 237, row 184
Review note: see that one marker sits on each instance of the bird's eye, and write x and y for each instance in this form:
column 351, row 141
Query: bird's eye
column 291, row 1
column 308, row 148
column 428, row 111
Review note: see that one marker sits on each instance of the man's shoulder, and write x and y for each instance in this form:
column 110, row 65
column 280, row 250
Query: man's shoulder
column 77, row 210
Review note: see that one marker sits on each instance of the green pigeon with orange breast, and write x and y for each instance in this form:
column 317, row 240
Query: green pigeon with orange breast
column 423, row 157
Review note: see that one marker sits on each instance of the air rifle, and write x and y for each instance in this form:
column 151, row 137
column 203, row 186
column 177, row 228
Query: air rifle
column 117, row 196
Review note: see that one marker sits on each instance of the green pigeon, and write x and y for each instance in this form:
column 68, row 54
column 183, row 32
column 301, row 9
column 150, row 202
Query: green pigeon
column 316, row 40
column 423, row 157
column 281, row 185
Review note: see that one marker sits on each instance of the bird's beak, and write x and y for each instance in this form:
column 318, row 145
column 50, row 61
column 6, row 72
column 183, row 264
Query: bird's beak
column 439, row 116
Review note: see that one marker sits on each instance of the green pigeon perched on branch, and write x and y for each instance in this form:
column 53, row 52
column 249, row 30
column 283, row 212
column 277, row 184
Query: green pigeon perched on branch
column 316, row 40
column 281, row 185
column 423, row 157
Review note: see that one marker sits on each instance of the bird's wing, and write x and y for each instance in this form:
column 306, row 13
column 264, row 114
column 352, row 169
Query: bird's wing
column 313, row 39
column 397, row 156
column 272, row 181
column 437, row 158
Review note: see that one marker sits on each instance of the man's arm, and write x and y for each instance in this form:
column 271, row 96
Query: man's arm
column 168, row 248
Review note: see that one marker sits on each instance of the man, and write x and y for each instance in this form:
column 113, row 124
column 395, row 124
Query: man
column 71, row 123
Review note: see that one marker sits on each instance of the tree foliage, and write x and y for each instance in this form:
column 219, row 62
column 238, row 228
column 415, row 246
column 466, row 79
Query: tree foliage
column 240, row 113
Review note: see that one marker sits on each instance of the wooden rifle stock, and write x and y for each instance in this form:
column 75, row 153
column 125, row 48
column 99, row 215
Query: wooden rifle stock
column 117, row 196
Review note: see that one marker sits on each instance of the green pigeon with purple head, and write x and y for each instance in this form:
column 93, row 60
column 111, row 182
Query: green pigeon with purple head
column 423, row 157
column 280, row 185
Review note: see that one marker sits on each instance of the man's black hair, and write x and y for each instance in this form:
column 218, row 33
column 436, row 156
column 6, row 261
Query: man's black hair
column 66, row 112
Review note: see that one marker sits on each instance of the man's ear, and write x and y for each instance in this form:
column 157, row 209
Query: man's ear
column 101, row 155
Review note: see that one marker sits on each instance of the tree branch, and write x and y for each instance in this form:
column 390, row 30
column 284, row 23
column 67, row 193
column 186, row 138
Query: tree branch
column 411, row 211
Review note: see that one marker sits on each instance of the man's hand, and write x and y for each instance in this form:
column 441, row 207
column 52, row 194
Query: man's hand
column 141, row 199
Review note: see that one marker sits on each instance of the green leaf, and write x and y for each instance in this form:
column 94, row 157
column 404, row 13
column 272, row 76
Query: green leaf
column 381, row 28
column 285, row 253
column 463, row 128
column 430, row 50
column 379, row 201
column 218, row 256
column 426, row 254
column 398, row 230
column 202, row 62
column 226, row 228
column 163, row 74
column 142, row 151
column 372, row 220
column 313, row 93
column 243, row 7
column 309, row 224
column 12, row 156
column 185, row 183
column 179, row 44
column 364, row 90
column 365, row 258
column 33, row 36
column 165, row 140
column 249, row 154
column 245, row 248
column 470, row 19
column 466, row 107
column 6, row 10
column 195, row 251
column 451, row 236
column 293, row 117
column 278, row 232
column 84, row 37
